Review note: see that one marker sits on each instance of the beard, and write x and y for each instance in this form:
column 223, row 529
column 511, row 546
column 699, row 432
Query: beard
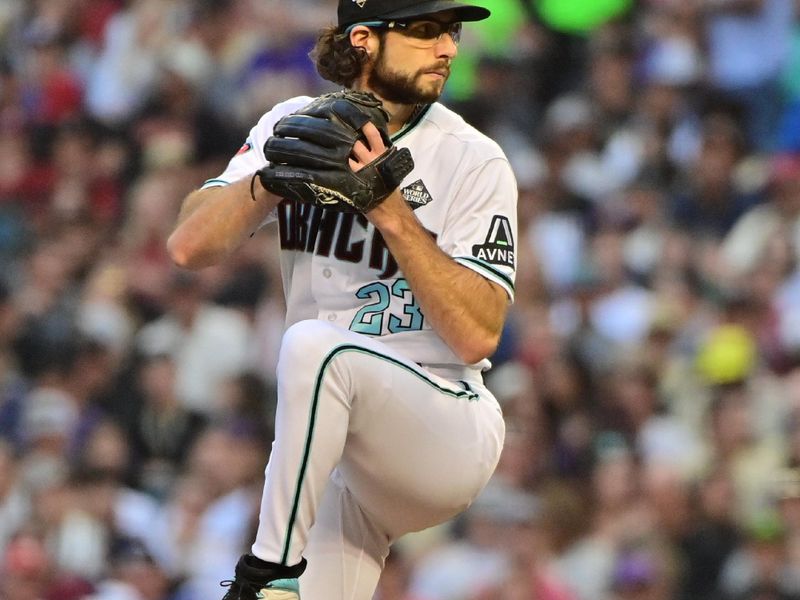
column 400, row 88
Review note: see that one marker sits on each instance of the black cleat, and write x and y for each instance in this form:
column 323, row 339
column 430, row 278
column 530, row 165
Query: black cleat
column 267, row 582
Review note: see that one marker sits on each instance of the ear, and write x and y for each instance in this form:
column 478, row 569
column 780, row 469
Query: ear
column 362, row 37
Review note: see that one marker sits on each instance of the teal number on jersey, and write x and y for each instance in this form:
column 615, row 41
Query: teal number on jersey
column 370, row 318
column 413, row 319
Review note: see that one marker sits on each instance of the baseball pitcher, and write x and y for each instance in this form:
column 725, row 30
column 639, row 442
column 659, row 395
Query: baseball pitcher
column 397, row 229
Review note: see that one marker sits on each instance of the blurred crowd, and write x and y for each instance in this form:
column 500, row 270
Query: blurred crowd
column 649, row 371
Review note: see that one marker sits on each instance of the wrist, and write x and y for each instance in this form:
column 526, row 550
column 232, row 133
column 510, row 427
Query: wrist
column 258, row 193
column 390, row 216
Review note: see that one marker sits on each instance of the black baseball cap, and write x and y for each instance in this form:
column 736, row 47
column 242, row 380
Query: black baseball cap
column 359, row 11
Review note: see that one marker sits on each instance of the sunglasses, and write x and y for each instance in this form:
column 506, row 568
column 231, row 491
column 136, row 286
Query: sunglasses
column 428, row 32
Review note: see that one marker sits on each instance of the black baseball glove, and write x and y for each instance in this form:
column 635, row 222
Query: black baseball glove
column 309, row 151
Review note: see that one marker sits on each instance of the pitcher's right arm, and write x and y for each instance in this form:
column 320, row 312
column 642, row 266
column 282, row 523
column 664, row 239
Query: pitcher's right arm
column 213, row 222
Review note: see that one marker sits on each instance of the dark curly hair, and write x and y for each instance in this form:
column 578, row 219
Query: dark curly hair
column 336, row 59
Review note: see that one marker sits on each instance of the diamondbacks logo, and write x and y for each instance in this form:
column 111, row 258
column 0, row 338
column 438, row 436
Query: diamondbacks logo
column 498, row 249
column 246, row 147
column 416, row 194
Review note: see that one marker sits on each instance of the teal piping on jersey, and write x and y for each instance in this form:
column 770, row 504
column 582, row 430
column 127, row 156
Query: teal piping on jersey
column 488, row 271
column 469, row 395
column 465, row 385
column 220, row 182
column 406, row 129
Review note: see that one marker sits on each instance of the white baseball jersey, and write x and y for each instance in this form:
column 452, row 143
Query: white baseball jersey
column 336, row 267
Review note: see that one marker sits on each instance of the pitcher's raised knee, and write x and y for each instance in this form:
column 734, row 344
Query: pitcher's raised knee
column 309, row 341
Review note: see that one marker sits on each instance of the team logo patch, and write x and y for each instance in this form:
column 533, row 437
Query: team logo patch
column 416, row 194
column 246, row 147
column 498, row 249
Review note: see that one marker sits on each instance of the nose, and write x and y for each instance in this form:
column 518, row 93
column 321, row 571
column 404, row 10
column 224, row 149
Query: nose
column 446, row 46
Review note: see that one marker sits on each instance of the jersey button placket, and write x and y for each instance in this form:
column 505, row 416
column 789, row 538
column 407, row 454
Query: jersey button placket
column 326, row 273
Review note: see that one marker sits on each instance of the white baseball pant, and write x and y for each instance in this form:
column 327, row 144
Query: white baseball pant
column 369, row 446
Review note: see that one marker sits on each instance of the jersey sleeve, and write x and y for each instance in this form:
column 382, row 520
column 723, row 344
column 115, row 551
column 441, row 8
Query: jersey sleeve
column 250, row 157
column 481, row 229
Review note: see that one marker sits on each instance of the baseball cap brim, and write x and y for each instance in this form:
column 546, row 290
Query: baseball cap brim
column 463, row 12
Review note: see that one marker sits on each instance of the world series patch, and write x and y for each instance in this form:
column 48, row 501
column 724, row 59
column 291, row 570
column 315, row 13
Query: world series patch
column 498, row 249
column 416, row 194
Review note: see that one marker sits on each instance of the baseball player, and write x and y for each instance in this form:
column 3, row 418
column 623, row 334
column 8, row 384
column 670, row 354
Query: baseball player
column 397, row 229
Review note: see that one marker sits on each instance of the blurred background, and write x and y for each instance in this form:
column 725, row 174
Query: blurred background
column 649, row 372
